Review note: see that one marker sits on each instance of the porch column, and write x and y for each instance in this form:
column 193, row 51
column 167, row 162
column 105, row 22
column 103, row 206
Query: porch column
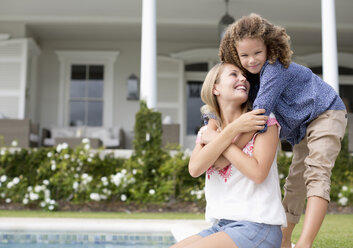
column 329, row 43
column 148, row 90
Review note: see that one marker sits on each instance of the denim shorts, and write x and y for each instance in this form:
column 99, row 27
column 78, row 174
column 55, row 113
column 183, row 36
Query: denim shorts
column 246, row 234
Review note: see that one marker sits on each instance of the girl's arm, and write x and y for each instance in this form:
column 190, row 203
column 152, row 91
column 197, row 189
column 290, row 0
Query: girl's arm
column 274, row 79
column 256, row 167
column 202, row 159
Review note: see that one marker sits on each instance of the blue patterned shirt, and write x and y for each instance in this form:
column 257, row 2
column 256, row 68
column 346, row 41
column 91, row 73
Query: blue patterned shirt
column 296, row 96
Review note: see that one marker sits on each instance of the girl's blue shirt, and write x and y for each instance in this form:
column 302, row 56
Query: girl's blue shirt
column 296, row 96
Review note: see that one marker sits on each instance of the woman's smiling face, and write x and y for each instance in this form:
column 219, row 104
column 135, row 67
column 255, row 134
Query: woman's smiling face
column 232, row 84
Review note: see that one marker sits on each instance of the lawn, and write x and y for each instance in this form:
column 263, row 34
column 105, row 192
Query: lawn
column 336, row 231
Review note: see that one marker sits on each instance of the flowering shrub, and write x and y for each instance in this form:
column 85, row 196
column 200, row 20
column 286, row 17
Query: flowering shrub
column 46, row 176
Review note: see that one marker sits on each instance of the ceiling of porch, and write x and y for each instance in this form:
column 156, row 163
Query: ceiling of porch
column 177, row 21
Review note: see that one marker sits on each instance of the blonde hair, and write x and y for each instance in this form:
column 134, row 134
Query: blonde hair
column 207, row 96
column 254, row 26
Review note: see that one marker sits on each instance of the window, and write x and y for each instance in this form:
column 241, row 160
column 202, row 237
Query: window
column 86, row 87
column 86, row 95
column 194, row 103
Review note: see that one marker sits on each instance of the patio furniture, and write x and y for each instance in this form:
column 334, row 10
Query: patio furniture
column 20, row 131
column 72, row 142
column 111, row 138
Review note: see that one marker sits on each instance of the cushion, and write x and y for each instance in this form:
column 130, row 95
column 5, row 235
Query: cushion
column 63, row 132
column 98, row 132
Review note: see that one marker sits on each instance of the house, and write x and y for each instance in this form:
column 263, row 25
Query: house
column 68, row 63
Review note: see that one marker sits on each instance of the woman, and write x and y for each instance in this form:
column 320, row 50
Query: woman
column 242, row 187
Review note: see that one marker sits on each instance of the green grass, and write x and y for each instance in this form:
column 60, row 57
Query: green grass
column 335, row 232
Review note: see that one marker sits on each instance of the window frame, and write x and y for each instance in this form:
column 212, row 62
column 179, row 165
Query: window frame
column 67, row 58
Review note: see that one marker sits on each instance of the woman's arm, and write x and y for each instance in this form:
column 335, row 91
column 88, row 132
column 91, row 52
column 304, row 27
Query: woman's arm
column 203, row 157
column 241, row 140
column 256, row 167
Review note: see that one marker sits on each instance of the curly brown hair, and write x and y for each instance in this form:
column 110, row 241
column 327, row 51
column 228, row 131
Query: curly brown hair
column 276, row 39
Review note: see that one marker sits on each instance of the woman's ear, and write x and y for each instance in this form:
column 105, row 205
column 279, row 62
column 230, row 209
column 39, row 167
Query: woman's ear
column 215, row 90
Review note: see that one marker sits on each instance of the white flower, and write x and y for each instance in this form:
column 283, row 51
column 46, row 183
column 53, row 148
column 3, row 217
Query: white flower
column 103, row 197
column 3, row 178
column 134, row 171
column 107, row 191
column 3, row 151
column 29, row 188
column 46, row 194
column 53, row 167
column 52, row 202
column 66, row 156
column 2, row 195
column 14, row 143
column 43, row 204
column 16, row 180
column 85, row 141
column 33, row 196
column 10, row 185
column 123, row 197
column 76, row 176
column 49, row 155
column 38, row 188
column 87, row 146
column 198, row 193
column 148, row 137
column 51, row 207
column 8, row 200
column 104, row 181
column 89, row 160
column 46, row 182
column 139, row 160
column 94, row 196
column 340, row 195
column 117, row 178
column 153, row 171
column 344, row 188
column 124, row 171
column 281, row 176
column 75, row 186
column 343, row 201
column 64, row 145
column 151, row 191
column 59, row 148
column 25, row 201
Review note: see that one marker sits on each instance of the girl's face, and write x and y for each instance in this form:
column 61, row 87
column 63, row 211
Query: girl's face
column 232, row 84
column 252, row 54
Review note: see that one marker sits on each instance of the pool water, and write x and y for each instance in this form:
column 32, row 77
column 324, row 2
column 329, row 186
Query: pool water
column 87, row 240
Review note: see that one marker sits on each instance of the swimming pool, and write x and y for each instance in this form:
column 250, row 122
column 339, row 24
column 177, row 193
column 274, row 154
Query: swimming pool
column 88, row 240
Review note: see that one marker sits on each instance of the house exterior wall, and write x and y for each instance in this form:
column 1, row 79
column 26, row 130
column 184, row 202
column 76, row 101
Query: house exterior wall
column 127, row 62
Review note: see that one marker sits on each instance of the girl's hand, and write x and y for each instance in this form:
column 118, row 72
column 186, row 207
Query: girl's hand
column 250, row 121
column 207, row 135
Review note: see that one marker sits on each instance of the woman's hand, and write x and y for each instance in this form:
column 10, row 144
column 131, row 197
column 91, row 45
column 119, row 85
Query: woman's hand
column 250, row 121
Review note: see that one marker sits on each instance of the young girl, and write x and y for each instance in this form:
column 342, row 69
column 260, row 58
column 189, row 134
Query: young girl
column 244, row 198
column 311, row 115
